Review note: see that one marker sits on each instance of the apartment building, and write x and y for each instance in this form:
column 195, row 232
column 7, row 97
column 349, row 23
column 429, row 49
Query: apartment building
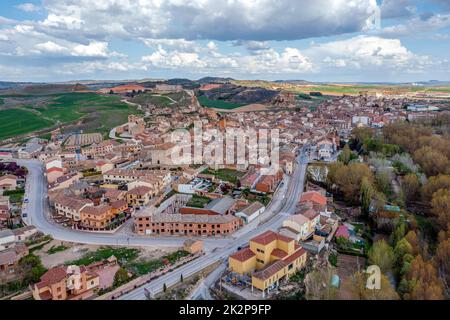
column 127, row 176
column 139, row 196
column 65, row 181
column 66, row 283
column 156, row 183
column 70, row 207
column 269, row 258
column 301, row 226
column 97, row 218
column 98, row 149
column 185, row 224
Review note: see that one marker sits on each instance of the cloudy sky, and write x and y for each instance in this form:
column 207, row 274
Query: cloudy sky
column 320, row 40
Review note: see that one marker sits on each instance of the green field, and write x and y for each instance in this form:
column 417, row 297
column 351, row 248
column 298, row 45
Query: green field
column 18, row 121
column 225, row 174
column 98, row 113
column 219, row 104
column 198, row 201
column 150, row 98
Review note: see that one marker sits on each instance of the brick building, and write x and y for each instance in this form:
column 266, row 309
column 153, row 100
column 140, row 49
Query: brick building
column 186, row 224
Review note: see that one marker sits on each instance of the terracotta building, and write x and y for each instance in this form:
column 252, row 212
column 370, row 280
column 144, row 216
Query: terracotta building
column 139, row 196
column 268, row 184
column 186, row 224
column 98, row 217
column 269, row 259
column 66, row 283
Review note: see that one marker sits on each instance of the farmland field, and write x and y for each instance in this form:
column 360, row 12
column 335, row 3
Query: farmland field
column 93, row 113
column 18, row 121
column 219, row 104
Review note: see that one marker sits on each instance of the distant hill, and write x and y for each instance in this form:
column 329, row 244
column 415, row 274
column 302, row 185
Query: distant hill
column 206, row 80
column 12, row 85
column 298, row 82
column 241, row 95
column 44, row 89
column 186, row 83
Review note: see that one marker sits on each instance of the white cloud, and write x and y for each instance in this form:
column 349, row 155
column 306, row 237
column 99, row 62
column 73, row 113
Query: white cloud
column 419, row 24
column 180, row 44
column 27, row 7
column 368, row 54
column 50, row 47
column 173, row 59
column 210, row 19
column 93, row 49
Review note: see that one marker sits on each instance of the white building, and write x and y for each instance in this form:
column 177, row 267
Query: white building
column 360, row 120
column 251, row 212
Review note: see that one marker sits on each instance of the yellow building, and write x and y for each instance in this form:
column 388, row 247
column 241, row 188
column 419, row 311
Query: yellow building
column 271, row 257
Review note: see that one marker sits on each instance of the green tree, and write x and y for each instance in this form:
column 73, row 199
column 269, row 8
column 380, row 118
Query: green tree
column 347, row 155
column 399, row 232
column 32, row 267
column 349, row 179
column 121, row 277
column 367, row 194
column 383, row 180
column 382, row 255
column 402, row 248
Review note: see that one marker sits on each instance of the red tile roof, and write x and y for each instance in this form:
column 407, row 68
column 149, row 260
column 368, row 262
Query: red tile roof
column 270, row 270
column 54, row 169
column 265, row 238
column 140, row 191
column 243, row 254
column 54, row 275
column 300, row 252
column 278, row 253
column 270, row 236
column 315, row 197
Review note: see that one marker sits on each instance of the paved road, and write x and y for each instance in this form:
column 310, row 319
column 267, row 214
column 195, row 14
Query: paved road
column 38, row 215
column 293, row 194
column 218, row 248
column 202, row 291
